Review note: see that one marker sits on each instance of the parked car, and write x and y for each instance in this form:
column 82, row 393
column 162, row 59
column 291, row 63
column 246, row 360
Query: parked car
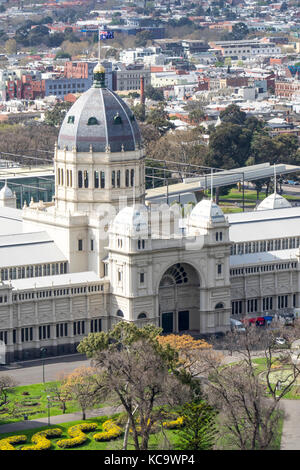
column 237, row 325
column 280, row 341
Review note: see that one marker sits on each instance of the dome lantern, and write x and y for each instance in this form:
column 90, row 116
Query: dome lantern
column 99, row 76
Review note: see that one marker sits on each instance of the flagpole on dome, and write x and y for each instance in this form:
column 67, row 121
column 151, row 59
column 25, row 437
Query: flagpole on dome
column 99, row 46
column 275, row 182
column 211, row 186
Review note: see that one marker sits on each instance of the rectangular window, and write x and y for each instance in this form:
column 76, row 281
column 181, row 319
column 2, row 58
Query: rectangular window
column 79, row 179
column 142, row 278
column 80, row 245
column 118, row 179
column 132, row 178
column 96, row 325
column 86, row 179
column 219, row 269
column 102, row 179
column 96, row 179
column 113, row 179
column 3, row 336
column 92, row 245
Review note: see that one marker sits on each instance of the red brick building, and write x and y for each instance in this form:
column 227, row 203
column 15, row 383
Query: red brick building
column 287, row 89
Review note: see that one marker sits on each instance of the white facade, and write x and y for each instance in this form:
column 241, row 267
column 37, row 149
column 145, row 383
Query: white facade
column 97, row 254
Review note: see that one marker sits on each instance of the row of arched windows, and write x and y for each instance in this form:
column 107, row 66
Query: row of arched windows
column 83, row 178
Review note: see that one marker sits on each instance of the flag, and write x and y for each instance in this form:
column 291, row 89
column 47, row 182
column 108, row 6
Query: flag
column 106, row 35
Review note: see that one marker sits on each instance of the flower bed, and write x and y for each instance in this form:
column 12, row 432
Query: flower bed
column 111, row 431
column 77, row 435
column 6, row 444
column 40, row 439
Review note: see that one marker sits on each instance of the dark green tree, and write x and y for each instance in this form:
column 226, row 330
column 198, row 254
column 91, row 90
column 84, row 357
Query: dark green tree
column 155, row 94
column 229, row 146
column 142, row 37
column 199, row 427
column 159, row 118
column 139, row 112
column 233, row 114
column 196, row 112
column 55, row 116
column 239, row 31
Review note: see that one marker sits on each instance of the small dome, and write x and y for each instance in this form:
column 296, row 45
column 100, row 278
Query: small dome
column 99, row 118
column 274, row 201
column 132, row 220
column 6, row 192
column 204, row 212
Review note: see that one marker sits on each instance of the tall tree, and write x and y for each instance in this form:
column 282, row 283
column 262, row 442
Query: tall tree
column 55, row 116
column 159, row 118
column 83, row 386
column 229, row 146
column 233, row 114
column 136, row 369
column 199, row 430
column 248, row 405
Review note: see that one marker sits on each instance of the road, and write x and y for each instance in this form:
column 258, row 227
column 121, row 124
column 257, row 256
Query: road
column 31, row 372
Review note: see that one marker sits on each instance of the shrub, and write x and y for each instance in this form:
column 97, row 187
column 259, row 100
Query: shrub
column 6, row 444
column 174, row 424
column 111, row 431
column 40, row 439
column 77, row 435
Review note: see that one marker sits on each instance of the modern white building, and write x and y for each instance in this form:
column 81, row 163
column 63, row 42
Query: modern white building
column 99, row 254
column 246, row 48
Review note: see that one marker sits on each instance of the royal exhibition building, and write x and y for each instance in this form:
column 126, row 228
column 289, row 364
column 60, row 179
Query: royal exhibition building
column 99, row 252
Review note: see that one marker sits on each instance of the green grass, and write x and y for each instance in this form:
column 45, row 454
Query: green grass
column 21, row 397
column 250, row 196
column 155, row 441
column 260, row 363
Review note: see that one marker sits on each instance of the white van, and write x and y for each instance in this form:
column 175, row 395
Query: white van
column 237, row 325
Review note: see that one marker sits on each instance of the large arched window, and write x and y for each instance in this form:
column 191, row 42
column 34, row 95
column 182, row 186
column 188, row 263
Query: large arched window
column 174, row 275
column 120, row 313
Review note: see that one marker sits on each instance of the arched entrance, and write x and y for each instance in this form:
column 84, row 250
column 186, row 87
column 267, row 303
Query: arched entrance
column 179, row 299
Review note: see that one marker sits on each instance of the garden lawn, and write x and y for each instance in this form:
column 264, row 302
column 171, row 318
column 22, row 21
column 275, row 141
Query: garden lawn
column 32, row 401
column 250, row 196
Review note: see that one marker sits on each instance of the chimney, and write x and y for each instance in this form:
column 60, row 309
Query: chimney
column 142, row 91
column 143, row 98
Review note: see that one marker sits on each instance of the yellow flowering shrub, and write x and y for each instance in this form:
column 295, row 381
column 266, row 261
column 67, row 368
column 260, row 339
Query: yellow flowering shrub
column 6, row 444
column 77, row 435
column 111, row 431
column 174, row 424
column 41, row 441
